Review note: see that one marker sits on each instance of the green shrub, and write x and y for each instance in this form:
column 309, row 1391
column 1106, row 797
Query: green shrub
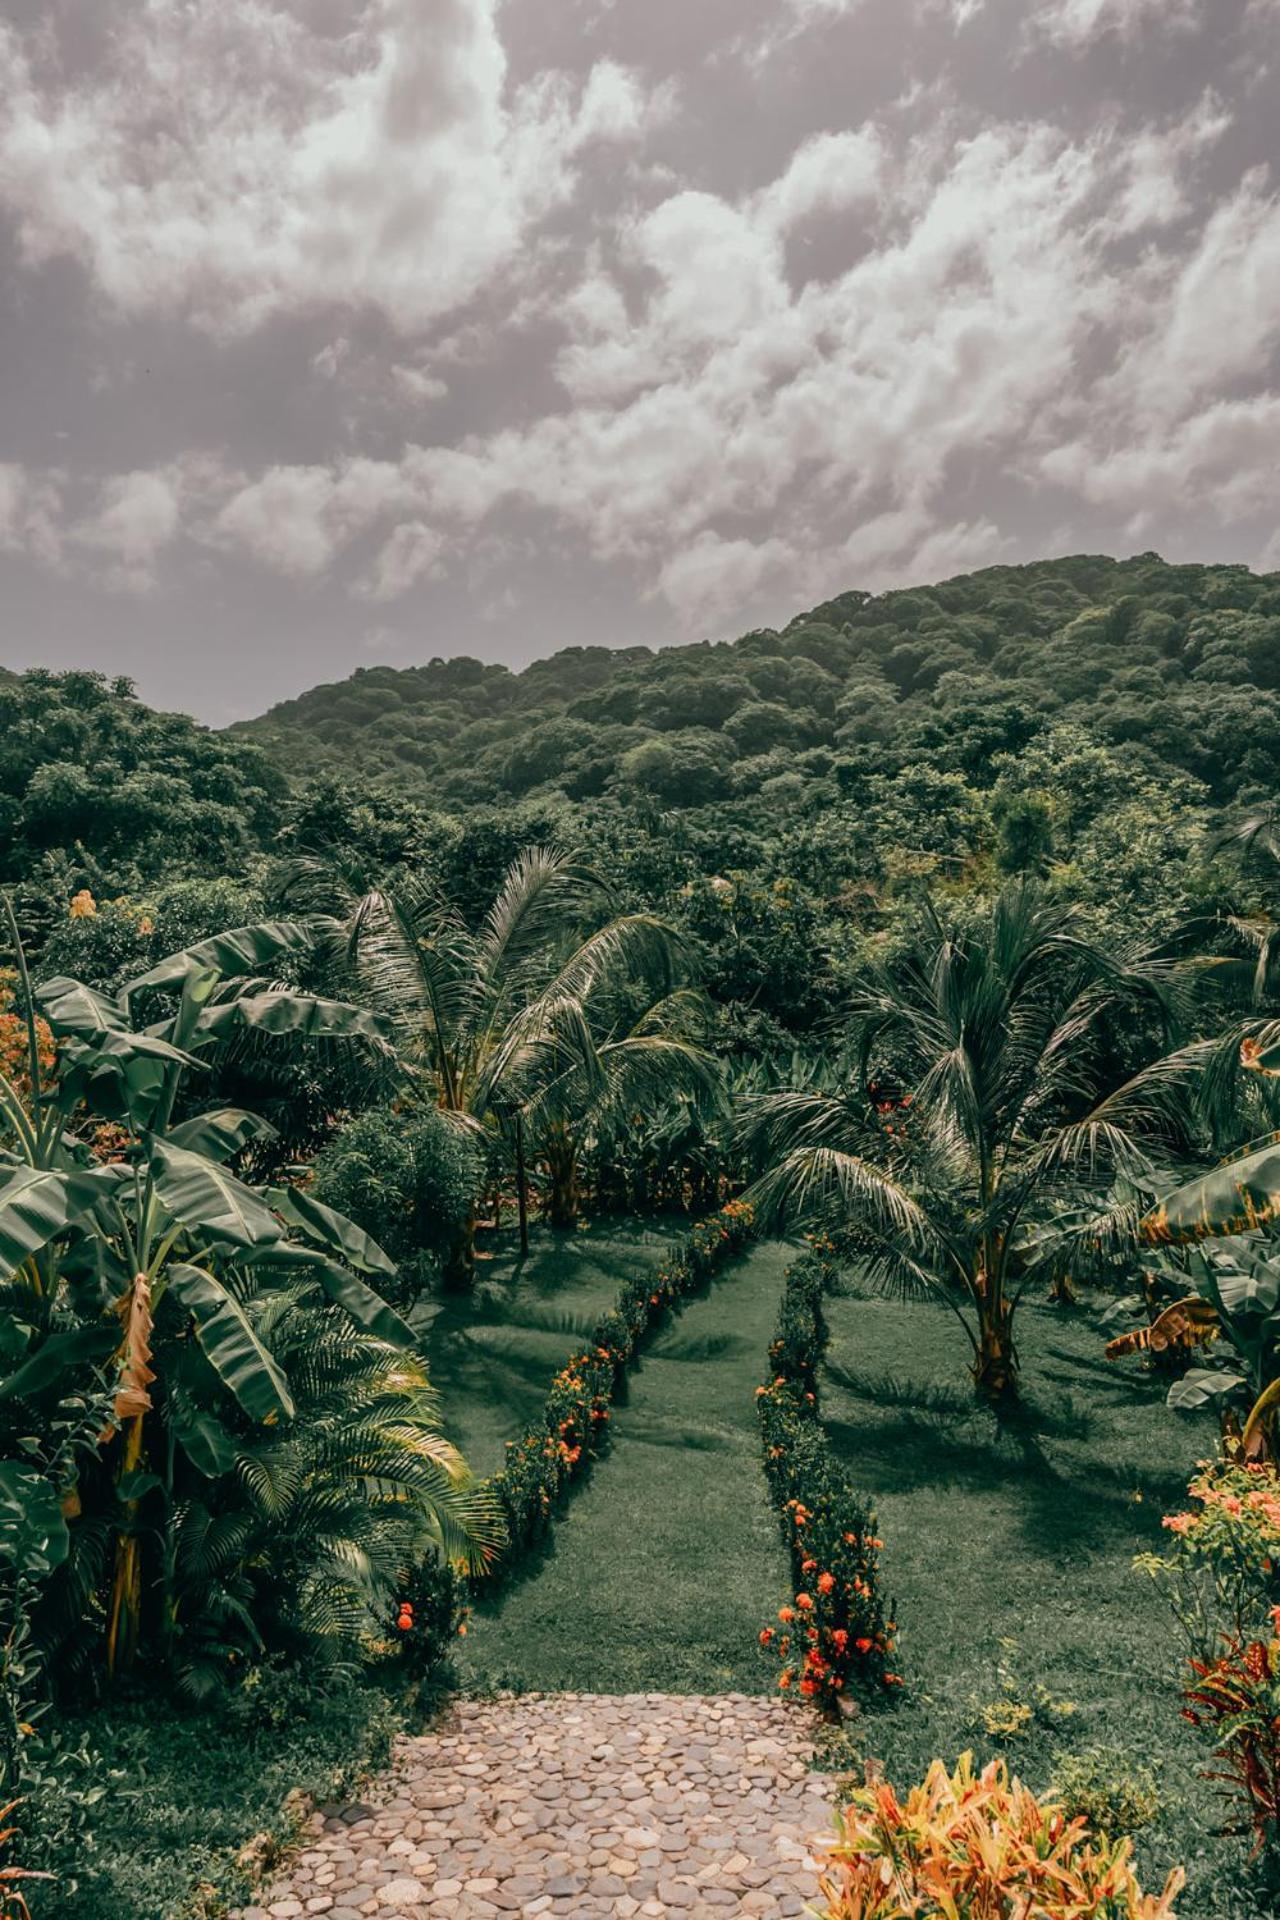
column 408, row 1178
column 1102, row 1786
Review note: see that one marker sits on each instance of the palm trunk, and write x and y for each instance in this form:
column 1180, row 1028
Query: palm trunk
column 460, row 1258
column 995, row 1366
column 522, row 1186
column 562, row 1164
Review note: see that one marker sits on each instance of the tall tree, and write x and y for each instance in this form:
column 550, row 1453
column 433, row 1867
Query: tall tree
column 979, row 1103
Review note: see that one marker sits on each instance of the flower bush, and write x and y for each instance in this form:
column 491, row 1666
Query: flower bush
column 575, row 1416
column 832, row 1634
column 429, row 1612
column 1222, row 1575
column 979, row 1845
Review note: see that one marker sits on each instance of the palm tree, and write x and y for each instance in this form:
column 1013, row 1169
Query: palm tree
column 524, row 1016
column 972, row 1113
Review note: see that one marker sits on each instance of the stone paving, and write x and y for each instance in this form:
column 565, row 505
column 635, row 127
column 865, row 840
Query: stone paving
column 632, row 1805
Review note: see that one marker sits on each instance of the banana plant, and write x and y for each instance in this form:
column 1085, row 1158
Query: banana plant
column 145, row 1261
column 1216, row 1300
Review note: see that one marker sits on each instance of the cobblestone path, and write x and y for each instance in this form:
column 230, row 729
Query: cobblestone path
column 576, row 1804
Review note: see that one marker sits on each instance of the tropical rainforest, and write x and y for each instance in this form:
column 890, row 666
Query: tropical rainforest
column 385, row 1080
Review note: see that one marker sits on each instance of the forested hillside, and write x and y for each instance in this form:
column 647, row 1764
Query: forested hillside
column 953, row 674
column 783, row 797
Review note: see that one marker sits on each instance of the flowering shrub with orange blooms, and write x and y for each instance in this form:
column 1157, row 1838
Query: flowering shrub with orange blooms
column 575, row 1416
column 983, row 1847
column 15, row 1058
column 833, row 1633
column 1222, row 1572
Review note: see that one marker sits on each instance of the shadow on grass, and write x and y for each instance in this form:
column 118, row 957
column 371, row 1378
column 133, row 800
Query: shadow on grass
column 942, row 1407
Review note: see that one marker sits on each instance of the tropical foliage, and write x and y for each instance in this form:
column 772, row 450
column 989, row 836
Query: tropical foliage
column 969, row 1842
column 982, row 1097
column 229, row 1440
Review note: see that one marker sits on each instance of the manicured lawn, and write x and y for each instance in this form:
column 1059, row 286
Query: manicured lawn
column 493, row 1351
column 660, row 1572
column 1012, row 1550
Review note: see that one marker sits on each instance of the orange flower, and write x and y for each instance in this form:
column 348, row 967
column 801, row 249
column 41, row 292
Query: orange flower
column 825, row 1582
column 785, row 1679
column 786, row 1615
column 804, row 1601
column 766, row 1636
column 863, row 1645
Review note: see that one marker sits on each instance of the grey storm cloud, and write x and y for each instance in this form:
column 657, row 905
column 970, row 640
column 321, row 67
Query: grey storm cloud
column 336, row 333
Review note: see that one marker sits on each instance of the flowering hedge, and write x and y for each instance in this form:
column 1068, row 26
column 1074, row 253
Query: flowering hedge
column 833, row 1634
column 575, row 1417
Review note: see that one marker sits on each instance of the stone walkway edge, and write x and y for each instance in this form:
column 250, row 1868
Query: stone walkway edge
column 691, row 1806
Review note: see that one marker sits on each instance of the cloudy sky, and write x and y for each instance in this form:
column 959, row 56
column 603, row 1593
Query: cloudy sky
column 334, row 333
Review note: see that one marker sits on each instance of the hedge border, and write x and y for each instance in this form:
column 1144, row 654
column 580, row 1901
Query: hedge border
column 833, row 1635
column 572, row 1429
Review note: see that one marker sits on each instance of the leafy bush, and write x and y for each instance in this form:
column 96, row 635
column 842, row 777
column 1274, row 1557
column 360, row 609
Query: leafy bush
column 979, row 1845
column 428, row 1613
column 1236, row 1700
column 1103, row 1787
column 408, row 1178
column 1223, row 1576
column 834, row 1633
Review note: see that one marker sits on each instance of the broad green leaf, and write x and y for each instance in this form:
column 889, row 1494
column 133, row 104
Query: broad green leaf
column 230, row 1344
column 242, row 950
column 217, row 1135
column 71, row 1007
column 1247, row 1284
column 210, row 1201
column 37, row 1205
column 204, row 1440
column 60, row 1356
column 33, row 1533
column 330, row 1229
column 280, row 1011
column 359, row 1301
column 1199, row 1386
column 1239, row 1197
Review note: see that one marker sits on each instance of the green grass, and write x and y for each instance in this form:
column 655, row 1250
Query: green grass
column 661, row 1571
column 1012, row 1549
column 187, row 1790
column 492, row 1352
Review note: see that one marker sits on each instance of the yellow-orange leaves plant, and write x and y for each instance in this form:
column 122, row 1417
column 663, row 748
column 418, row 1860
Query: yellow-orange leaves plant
column 978, row 1846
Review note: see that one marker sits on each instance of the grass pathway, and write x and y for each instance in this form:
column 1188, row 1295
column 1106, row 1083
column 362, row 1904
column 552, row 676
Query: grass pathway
column 660, row 1572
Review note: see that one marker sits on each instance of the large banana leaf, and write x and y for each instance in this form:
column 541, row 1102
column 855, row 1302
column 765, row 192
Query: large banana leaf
column 330, row 1229
column 37, row 1205
column 210, row 1201
column 231, row 1346
column 217, row 1135
column 279, row 1011
column 1235, row 1198
column 358, row 1300
column 71, row 1007
column 240, row 951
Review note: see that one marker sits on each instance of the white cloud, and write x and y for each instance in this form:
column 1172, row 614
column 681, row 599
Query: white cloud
column 30, row 511
column 1076, row 22
column 298, row 519
column 713, row 579
column 414, row 552
column 136, row 517
column 235, row 161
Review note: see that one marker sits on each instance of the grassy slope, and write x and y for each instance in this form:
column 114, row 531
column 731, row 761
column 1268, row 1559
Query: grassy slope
column 492, row 1353
column 1026, row 1538
column 663, row 1569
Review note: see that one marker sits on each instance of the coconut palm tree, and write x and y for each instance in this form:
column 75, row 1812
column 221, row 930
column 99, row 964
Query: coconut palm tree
column 528, row 1015
column 978, row 1103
